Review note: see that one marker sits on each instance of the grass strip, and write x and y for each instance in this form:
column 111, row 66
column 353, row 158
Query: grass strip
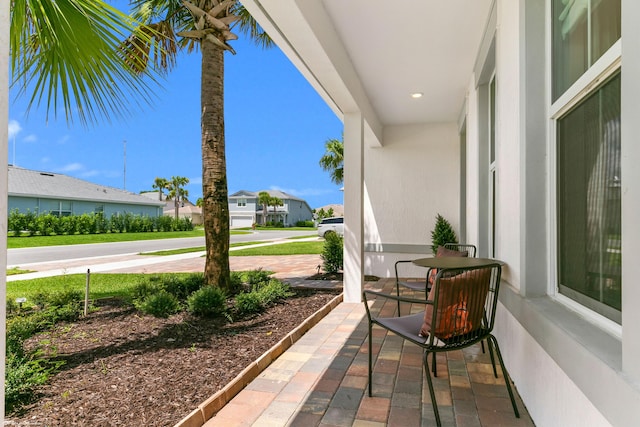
column 79, row 239
column 196, row 249
column 294, row 248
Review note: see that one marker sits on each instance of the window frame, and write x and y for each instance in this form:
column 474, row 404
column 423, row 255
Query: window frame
column 600, row 71
column 241, row 203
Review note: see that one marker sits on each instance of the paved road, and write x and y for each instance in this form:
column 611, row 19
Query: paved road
column 25, row 256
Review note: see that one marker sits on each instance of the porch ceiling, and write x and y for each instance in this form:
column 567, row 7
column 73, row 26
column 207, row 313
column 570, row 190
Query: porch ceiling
column 371, row 55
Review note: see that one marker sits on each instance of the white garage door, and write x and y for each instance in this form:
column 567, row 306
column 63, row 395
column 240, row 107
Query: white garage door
column 241, row 221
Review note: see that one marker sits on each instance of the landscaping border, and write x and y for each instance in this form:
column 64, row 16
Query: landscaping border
column 207, row 409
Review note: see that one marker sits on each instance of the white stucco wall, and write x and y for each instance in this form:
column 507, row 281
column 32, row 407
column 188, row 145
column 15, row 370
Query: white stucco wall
column 551, row 397
column 409, row 180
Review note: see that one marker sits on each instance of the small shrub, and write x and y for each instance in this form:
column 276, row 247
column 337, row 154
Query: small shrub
column 249, row 303
column 161, row 304
column 208, row 301
column 442, row 233
column 22, row 376
column 256, row 277
column 274, row 291
column 146, row 288
column 305, row 224
column 332, row 252
column 64, row 297
column 235, row 282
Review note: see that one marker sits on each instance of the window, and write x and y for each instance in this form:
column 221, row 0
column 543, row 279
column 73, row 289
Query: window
column 589, row 201
column 59, row 208
column 583, row 30
column 242, row 202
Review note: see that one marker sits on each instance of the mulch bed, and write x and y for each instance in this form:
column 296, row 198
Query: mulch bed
column 123, row 368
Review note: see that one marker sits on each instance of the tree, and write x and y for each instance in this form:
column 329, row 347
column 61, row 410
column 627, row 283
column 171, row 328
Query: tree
column 442, row 233
column 264, row 199
column 199, row 202
column 275, row 202
column 330, row 213
column 160, row 184
column 66, row 54
column 177, row 192
column 205, row 25
column 333, row 160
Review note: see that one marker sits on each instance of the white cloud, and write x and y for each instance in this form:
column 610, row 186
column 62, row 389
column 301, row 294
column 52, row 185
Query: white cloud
column 30, row 138
column 304, row 192
column 90, row 173
column 195, row 181
column 45, row 160
column 63, row 139
column 71, row 167
column 14, row 128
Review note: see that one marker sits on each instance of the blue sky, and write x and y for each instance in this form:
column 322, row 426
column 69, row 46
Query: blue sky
column 276, row 126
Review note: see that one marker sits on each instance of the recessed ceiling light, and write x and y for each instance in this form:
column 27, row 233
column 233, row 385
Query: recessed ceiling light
column 417, row 95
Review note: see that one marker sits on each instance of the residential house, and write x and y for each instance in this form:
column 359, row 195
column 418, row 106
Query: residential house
column 246, row 210
column 513, row 120
column 186, row 209
column 62, row 195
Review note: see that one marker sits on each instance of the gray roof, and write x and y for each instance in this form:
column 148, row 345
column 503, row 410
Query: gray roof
column 30, row 183
column 273, row 193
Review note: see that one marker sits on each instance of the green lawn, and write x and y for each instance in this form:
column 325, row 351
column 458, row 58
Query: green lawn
column 295, row 248
column 101, row 285
column 35, row 241
column 196, row 249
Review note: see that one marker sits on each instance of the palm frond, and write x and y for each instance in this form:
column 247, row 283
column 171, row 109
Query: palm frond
column 65, row 54
column 250, row 28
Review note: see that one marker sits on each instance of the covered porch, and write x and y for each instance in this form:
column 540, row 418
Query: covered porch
column 322, row 379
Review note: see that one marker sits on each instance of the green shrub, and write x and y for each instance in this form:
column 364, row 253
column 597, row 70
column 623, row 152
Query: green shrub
column 274, row 291
column 22, row 376
column 65, row 297
column 249, row 303
column 208, row 301
column 146, row 288
column 235, row 282
column 332, row 252
column 256, row 277
column 305, row 224
column 442, row 233
column 181, row 288
column 160, row 304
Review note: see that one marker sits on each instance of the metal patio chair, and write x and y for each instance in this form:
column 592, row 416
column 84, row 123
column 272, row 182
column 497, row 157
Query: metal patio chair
column 459, row 312
column 463, row 249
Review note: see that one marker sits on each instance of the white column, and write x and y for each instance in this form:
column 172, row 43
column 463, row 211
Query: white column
column 353, row 207
column 630, row 129
column 4, row 145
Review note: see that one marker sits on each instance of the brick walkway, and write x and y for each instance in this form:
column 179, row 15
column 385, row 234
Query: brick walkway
column 321, row 381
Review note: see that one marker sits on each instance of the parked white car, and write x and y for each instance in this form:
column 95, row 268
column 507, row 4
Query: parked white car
column 331, row 225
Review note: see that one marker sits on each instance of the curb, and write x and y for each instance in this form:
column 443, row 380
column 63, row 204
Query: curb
column 207, row 409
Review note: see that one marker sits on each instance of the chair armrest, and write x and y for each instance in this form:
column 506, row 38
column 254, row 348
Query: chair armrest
column 395, row 298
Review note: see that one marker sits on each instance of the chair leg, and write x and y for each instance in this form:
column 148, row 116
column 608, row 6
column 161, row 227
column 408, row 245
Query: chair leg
column 370, row 359
column 507, row 380
column 435, row 366
column 493, row 360
column 432, row 393
column 398, row 293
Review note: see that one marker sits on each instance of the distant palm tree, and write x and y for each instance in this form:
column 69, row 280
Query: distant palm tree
column 264, row 199
column 205, row 25
column 333, row 160
column 275, row 202
column 160, row 184
column 66, row 54
column 177, row 192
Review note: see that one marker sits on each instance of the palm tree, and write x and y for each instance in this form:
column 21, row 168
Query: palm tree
column 177, row 192
column 275, row 202
column 160, row 184
column 333, row 160
column 207, row 25
column 66, row 54
column 264, row 199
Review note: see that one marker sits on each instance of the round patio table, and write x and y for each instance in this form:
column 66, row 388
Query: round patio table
column 454, row 262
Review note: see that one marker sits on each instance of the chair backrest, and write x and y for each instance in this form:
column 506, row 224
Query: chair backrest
column 461, row 247
column 464, row 305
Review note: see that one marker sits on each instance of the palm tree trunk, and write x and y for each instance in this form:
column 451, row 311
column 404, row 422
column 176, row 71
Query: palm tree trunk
column 214, row 169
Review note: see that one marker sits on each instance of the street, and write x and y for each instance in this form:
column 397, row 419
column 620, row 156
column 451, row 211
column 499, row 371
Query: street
column 25, row 256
